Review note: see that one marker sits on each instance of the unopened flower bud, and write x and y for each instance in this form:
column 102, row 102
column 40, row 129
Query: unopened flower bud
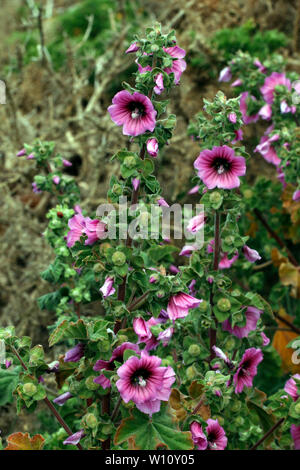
column 160, row 294
column 104, row 247
column 236, row 406
column 98, row 267
column 230, row 343
column 29, row 389
column 154, row 48
column 191, row 372
column 239, row 421
column 90, row 384
column 194, row 350
column 297, row 408
column 91, row 420
column 248, row 193
column 117, row 189
column 203, row 306
column 229, row 240
column 129, row 162
column 215, row 197
column 107, row 429
column 224, row 305
column 119, row 258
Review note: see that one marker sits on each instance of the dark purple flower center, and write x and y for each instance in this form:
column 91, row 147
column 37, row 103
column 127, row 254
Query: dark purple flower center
column 136, row 109
column 221, row 165
column 139, row 378
column 212, row 438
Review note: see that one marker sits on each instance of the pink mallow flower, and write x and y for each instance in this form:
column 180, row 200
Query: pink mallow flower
column 252, row 315
column 74, row 354
column 265, row 112
column 188, row 250
column 291, row 387
column 117, row 355
column 143, row 329
column 214, row 439
column 80, row 225
column 152, row 147
column 268, row 88
column 108, row 287
column 225, row 75
column 259, row 65
column 132, row 48
column 178, row 65
column 225, row 262
column 220, row 167
column 159, row 84
column 179, row 305
column 250, row 254
column 266, row 149
column 232, row 118
column 247, row 369
column 74, row 438
column 295, row 432
column 135, row 112
column 296, row 195
column 61, row 399
column 243, row 107
column 145, row 382
column 265, row 339
column 196, row 223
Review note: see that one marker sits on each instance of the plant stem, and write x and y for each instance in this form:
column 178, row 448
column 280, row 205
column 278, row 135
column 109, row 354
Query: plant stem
column 48, row 402
column 213, row 331
column 106, row 410
column 283, row 320
column 116, row 410
column 276, row 237
column 268, row 433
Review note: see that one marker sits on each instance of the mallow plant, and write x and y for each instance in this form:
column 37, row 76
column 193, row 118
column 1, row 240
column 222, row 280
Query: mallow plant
column 169, row 358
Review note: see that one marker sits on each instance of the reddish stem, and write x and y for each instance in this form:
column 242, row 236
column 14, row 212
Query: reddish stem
column 48, row 402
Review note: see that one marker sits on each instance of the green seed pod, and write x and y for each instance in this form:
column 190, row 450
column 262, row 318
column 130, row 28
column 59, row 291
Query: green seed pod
column 119, row 258
column 130, row 162
column 90, row 384
column 29, row 389
column 194, row 350
column 224, row 304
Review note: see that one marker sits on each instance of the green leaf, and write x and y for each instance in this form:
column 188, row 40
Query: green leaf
column 149, row 433
column 8, row 382
column 68, row 330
